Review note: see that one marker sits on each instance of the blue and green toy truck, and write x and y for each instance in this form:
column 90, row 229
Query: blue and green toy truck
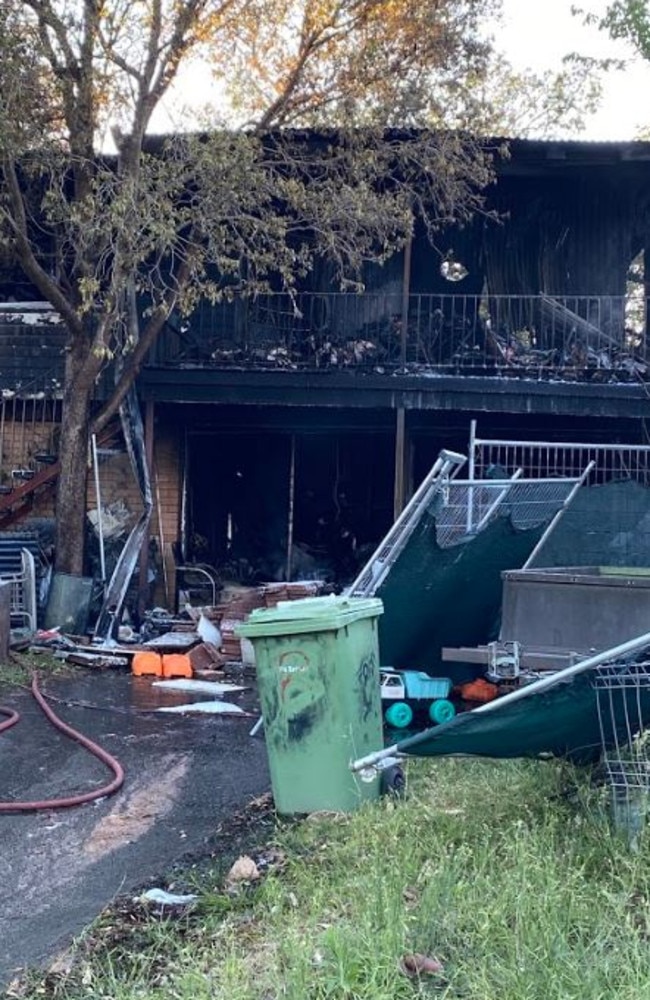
column 403, row 692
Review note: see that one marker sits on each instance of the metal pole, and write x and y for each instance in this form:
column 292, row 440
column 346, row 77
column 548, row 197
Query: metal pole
column 100, row 528
column 607, row 656
column 499, row 499
column 472, row 468
column 2, row 435
column 561, row 512
column 406, row 292
column 446, row 463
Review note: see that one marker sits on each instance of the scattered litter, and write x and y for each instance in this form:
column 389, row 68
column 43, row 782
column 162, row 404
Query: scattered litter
column 272, row 857
column 205, row 707
column 208, row 631
column 115, row 519
column 418, row 965
column 82, row 659
column 243, row 870
column 198, row 687
column 51, row 639
column 164, row 898
column 173, row 642
column 258, row 725
column 45, row 634
column 62, row 965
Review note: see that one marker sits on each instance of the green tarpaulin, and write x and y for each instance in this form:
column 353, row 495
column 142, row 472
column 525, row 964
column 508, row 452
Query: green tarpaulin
column 435, row 597
column 562, row 721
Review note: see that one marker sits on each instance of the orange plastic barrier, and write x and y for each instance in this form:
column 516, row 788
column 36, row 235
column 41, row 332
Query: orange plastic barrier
column 176, row 665
column 145, row 662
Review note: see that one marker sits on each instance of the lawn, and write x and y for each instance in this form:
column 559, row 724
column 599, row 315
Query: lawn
column 506, row 873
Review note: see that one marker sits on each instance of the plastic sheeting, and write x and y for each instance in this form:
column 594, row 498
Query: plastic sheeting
column 437, row 597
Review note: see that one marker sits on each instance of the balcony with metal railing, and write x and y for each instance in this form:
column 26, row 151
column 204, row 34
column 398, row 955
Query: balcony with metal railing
column 581, row 338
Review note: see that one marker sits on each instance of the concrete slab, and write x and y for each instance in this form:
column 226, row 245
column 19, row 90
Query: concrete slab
column 184, row 775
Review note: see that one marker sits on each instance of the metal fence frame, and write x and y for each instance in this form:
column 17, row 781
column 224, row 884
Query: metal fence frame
column 558, row 458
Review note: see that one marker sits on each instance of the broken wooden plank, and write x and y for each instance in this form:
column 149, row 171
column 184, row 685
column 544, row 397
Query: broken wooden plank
column 83, row 659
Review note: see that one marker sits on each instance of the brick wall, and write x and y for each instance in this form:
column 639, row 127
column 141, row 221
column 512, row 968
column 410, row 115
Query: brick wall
column 116, row 483
column 24, row 439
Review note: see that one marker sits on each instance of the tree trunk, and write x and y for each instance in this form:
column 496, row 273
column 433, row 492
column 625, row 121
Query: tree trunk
column 73, row 459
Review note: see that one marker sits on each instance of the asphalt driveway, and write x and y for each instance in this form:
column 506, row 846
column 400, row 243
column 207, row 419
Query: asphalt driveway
column 184, row 775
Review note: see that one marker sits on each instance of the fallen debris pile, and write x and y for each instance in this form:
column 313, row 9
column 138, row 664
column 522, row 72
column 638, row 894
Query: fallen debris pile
column 201, row 641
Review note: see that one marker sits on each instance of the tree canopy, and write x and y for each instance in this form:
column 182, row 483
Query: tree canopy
column 231, row 210
column 629, row 21
column 392, row 95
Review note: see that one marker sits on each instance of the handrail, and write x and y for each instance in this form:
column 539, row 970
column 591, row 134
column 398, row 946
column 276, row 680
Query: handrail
column 499, row 334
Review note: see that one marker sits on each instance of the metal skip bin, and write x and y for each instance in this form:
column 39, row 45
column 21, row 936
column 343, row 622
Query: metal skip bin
column 317, row 665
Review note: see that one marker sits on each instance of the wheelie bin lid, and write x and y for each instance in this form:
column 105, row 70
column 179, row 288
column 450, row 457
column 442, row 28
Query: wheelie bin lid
column 310, row 614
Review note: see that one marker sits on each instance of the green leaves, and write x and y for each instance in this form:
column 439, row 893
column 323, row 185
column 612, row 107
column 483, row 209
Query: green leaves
column 629, row 20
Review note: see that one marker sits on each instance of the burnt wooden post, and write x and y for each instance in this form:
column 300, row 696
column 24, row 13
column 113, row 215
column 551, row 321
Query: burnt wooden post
column 5, row 621
column 399, row 492
column 292, row 499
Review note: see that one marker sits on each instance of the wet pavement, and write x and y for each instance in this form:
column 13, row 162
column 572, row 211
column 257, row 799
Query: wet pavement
column 184, row 775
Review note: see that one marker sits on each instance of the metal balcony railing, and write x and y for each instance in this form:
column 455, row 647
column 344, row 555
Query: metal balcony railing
column 532, row 335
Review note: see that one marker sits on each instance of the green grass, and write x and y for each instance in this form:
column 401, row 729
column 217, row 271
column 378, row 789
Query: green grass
column 507, row 872
column 18, row 671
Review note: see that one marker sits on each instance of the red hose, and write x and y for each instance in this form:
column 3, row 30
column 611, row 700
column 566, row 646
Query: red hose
column 88, row 744
column 11, row 721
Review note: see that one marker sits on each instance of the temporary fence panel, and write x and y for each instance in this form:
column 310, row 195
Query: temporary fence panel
column 623, row 704
column 543, row 459
column 608, row 523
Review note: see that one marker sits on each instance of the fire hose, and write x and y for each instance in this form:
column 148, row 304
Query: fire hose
column 67, row 802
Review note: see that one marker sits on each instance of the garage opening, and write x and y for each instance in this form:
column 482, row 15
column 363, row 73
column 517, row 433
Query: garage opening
column 271, row 505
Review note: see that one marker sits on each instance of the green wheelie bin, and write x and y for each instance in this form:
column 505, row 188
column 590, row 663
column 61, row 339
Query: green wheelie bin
column 317, row 664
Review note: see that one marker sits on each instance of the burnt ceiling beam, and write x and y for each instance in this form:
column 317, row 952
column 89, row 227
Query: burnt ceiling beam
column 412, row 392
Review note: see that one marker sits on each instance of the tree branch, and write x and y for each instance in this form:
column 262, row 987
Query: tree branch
column 24, row 251
column 48, row 18
column 136, row 358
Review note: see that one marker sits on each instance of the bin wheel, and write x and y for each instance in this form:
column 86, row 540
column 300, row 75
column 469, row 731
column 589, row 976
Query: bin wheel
column 441, row 710
column 399, row 715
column 393, row 781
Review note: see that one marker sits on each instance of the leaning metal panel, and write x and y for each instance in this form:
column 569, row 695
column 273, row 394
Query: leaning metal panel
column 446, row 466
